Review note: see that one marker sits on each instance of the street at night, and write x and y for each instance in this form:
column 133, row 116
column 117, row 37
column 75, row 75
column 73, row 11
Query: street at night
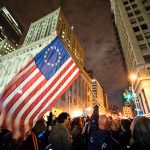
column 74, row 75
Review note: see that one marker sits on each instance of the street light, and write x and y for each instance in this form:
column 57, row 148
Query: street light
column 133, row 78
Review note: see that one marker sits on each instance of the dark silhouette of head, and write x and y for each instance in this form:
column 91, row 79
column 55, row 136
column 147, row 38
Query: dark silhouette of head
column 141, row 132
column 62, row 117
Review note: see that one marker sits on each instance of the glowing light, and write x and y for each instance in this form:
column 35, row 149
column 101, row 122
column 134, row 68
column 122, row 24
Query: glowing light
column 133, row 77
column 77, row 113
column 88, row 109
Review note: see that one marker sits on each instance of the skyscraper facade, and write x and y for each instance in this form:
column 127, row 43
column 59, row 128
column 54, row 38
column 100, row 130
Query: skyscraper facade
column 6, row 47
column 132, row 20
column 9, row 27
column 100, row 96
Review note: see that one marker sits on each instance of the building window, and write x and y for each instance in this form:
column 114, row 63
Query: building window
column 147, row 35
column 147, row 8
column 146, row 100
column 125, row 3
column 130, row 14
column 148, row 70
column 134, row 6
column 144, row 26
column 128, row 8
column 145, row 2
column 137, row 12
column 147, row 58
column 136, row 29
column 140, row 18
column 143, row 47
column 139, row 37
column 131, row 1
column 133, row 21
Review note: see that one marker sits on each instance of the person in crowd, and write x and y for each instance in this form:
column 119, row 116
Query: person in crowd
column 36, row 139
column 132, row 127
column 125, row 134
column 86, row 125
column 77, row 130
column 133, row 123
column 99, row 133
column 77, row 136
column 32, row 142
column 8, row 143
column 59, row 136
column 141, row 134
column 69, row 126
column 114, row 130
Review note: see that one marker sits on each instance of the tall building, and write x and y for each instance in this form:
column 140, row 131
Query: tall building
column 42, row 32
column 99, row 94
column 132, row 20
column 6, row 47
column 9, row 27
column 127, row 112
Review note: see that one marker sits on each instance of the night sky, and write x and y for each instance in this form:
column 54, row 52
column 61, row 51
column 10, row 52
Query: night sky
column 93, row 27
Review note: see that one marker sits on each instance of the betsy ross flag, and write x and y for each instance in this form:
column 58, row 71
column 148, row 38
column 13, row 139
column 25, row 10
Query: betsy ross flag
column 37, row 86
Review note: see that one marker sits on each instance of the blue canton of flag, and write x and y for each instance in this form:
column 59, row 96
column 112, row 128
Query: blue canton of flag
column 51, row 58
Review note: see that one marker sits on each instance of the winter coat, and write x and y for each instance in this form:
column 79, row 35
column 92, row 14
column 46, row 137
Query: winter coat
column 60, row 138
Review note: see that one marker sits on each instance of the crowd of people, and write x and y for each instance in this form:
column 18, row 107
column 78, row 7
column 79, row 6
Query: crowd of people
column 98, row 132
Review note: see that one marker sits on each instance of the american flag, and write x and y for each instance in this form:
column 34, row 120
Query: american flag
column 37, row 86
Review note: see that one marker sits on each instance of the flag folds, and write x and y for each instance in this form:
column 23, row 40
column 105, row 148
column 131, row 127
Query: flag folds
column 37, row 86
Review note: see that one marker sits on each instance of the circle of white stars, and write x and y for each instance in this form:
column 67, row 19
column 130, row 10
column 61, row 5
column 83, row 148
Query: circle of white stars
column 58, row 59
